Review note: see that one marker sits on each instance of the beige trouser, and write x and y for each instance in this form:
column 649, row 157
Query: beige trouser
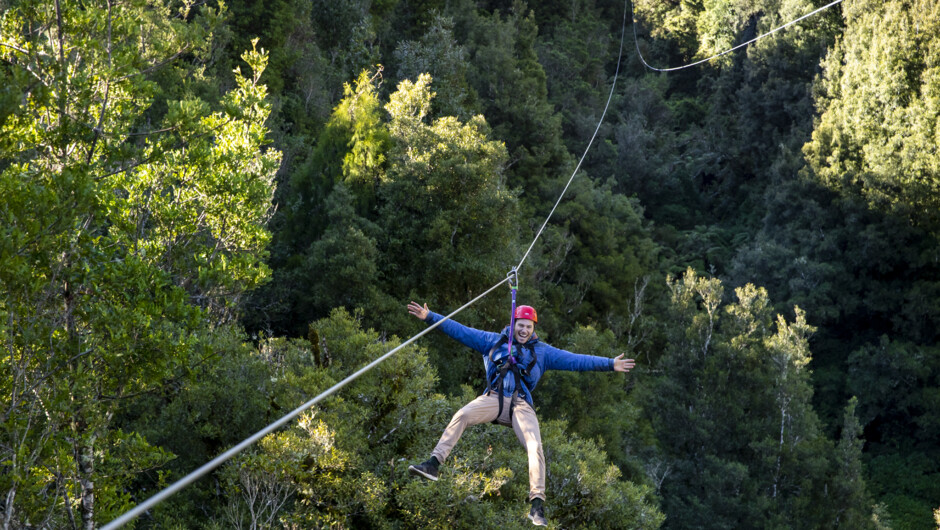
column 526, row 426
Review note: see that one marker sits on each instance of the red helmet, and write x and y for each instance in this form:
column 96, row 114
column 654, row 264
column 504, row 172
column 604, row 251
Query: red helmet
column 526, row 311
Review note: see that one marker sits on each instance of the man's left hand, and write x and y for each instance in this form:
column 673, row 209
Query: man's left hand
column 623, row 365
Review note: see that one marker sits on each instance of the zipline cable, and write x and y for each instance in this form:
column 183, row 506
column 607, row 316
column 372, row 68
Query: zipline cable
column 623, row 30
column 219, row 460
column 717, row 55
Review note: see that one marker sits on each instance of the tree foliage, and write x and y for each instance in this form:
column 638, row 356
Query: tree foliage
column 345, row 461
column 878, row 103
column 762, row 461
column 120, row 251
column 400, row 150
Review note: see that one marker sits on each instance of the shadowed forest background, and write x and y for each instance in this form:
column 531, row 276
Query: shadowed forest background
column 212, row 212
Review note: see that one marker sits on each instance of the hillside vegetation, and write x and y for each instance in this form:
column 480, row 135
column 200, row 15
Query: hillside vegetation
column 214, row 211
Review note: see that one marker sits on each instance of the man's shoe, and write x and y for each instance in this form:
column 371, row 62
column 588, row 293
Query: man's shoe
column 537, row 513
column 427, row 469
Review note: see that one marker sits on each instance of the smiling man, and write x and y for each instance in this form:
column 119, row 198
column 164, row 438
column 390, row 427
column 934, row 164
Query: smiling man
column 512, row 373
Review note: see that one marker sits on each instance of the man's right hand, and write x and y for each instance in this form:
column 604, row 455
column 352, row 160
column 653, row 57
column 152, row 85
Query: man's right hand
column 421, row 312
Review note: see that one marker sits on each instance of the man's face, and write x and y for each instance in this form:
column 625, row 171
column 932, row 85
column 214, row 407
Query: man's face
column 523, row 330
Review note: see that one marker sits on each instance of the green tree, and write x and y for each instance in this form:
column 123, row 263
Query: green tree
column 899, row 382
column 451, row 222
column 511, row 83
column 575, row 52
column 419, row 196
column 352, row 149
column 876, row 135
column 589, row 269
column 615, row 421
column 850, row 483
column 597, row 244
column 325, row 211
column 331, row 459
column 733, row 418
column 438, row 54
column 119, row 251
column 874, row 144
column 217, row 403
column 735, row 118
column 445, row 200
column 864, row 276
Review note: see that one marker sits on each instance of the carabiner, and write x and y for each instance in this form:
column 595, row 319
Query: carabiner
column 513, row 278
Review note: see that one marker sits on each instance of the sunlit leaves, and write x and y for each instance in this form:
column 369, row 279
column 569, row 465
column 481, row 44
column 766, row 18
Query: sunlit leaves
column 877, row 135
column 120, row 238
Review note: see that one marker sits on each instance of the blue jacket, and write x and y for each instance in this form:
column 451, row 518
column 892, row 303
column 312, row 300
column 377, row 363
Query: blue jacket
column 547, row 357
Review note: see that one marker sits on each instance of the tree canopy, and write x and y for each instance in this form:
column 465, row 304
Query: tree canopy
column 213, row 211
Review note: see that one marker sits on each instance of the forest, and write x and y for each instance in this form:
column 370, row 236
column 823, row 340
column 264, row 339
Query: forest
column 213, row 211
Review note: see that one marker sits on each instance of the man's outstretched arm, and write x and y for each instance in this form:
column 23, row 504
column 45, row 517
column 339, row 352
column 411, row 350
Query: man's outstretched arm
column 476, row 339
column 577, row 362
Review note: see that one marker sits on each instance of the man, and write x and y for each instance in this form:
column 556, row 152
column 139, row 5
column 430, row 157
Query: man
column 508, row 397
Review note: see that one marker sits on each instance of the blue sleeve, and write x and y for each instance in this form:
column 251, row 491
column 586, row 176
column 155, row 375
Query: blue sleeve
column 558, row 359
column 476, row 339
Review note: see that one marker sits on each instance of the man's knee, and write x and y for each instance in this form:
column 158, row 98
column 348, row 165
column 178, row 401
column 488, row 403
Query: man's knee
column 465, row 417
column 533, row 446
column 460, row 417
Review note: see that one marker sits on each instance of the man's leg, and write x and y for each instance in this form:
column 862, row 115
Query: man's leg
column 526, row 426
column 481, row 410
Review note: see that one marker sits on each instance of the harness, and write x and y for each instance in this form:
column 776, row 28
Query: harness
column 507, row 363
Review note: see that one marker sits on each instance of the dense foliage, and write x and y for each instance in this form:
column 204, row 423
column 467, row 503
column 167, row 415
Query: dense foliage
column 213, row 211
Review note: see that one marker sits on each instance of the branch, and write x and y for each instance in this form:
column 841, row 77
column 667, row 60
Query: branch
column 162, row 152
column 29, row 69
column 147, row 133
column 97, row 130
column 58, row 16
column 107, row 91
column 130, row 167
column 154, row 67
column 15, row 48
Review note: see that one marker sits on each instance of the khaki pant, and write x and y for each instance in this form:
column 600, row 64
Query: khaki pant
column 526, row 426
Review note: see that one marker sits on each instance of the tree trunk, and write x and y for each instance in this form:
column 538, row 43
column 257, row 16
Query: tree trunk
column 86, row 466
column 8, row 508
